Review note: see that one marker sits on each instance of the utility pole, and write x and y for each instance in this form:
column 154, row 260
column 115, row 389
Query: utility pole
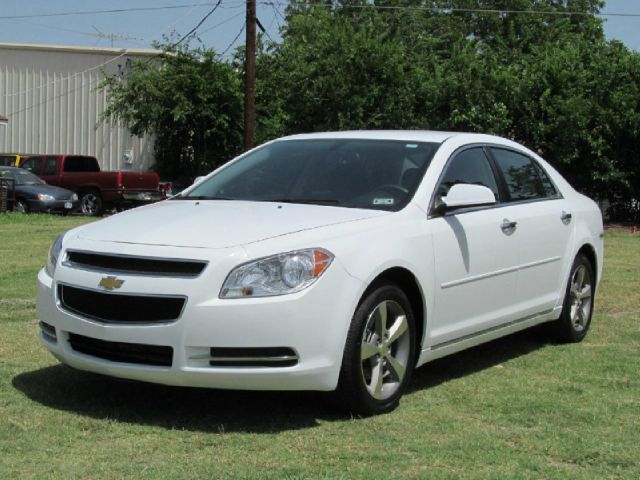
column 250, row 78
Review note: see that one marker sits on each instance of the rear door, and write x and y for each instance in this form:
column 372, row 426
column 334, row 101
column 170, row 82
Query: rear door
column 544, row 228
column 475, row 257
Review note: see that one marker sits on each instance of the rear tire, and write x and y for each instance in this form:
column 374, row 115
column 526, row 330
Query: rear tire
column 577, row 309
column 91, row 203
column 379, row 354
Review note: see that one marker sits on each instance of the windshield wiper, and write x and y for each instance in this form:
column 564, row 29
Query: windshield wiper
column 311, row 201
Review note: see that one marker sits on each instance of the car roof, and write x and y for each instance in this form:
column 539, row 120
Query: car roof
column 404, row 135
column 408, row 135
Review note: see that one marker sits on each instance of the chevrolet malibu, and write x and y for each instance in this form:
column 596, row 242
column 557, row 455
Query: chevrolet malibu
column 330, row 262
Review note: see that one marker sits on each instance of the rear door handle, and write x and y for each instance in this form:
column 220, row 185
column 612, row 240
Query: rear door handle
column 565, row 217
column 508, row 226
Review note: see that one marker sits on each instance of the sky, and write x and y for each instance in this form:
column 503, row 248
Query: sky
column 223, row 30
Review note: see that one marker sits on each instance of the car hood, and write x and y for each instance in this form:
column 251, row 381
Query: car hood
column 216, row 223
column 33, row 190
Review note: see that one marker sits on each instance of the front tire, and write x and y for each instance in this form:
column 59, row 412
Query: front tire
column 91, row 203
column 577, row 309
column 21, row 206
column 379, row 354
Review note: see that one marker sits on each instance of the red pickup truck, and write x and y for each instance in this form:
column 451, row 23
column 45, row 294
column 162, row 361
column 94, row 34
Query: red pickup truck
column 97, row 190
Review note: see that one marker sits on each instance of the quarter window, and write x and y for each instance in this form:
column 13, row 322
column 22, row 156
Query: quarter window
column 520, row 175
column 469, row 166
column 547, row 184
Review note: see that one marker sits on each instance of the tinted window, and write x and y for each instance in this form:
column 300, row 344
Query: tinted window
column 50, row 166
column 520, row 174
column 7, row 160
column 547, row 184
column 33, row 164
column 469, row 166
column 375, row 174
column 81, row 164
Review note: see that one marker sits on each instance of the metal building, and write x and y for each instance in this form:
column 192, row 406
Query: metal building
column 49, row 104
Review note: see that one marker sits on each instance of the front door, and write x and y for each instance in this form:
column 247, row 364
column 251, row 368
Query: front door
column 475, row 257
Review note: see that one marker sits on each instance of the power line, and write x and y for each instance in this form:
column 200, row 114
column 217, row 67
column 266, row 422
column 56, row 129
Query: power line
column 233, row 41
column 192, row 31
column 100, row 12
column 460, row 10
column 221, row 23
column 264, row 30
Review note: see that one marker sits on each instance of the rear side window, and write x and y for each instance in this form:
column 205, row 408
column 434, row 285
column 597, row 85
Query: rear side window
column 469, row 166
column 50, row 166
column 81, row 164
column 520, row 174
column 33, row 164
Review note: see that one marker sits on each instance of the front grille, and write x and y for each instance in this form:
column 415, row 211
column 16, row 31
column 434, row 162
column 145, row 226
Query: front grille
column 253, row 357
column 119, row 308
column 156, row 355
column 167, row 267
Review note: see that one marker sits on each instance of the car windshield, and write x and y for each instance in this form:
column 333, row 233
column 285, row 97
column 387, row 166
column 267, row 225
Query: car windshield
column 355, row 173
column 22, row 177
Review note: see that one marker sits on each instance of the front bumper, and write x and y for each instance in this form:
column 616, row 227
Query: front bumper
column 313, row 323
column 142, row 197
column 58, row 206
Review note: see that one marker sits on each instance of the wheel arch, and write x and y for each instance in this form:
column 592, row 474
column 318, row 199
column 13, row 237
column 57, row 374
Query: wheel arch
column 89, row 188
column 589, row 251
column 409, row 284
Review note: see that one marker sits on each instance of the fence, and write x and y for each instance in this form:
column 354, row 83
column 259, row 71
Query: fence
column 7, row 194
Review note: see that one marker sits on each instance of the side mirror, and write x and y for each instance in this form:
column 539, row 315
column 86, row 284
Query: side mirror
column 199, row 179
column 464, row 195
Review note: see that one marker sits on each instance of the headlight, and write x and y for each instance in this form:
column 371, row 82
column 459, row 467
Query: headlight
column 74, row 197
column 276, row 275
column 44, row 197
column 54, row 253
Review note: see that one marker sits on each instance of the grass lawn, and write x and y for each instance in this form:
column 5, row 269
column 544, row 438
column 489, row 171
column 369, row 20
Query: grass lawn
column 514, row 408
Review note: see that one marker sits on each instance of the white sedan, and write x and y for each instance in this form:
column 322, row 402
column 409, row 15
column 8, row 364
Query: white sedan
column 331, row 262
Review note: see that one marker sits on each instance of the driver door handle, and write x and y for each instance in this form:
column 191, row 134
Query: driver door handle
column 508, row 227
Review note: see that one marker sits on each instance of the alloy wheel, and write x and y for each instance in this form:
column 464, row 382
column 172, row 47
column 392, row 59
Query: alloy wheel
column 385, row 349
column 89, row 204
column 581, row 298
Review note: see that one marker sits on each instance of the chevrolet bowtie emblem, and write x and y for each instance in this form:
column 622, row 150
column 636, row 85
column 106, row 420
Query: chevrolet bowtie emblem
column 110, row 283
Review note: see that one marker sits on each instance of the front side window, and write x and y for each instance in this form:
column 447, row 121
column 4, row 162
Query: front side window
column 355, row 173
column 469, row 166
column 520, row 175
column 33, row 164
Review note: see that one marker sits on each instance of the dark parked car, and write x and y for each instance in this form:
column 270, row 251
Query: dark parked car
column 32, row 194
column 98, row 190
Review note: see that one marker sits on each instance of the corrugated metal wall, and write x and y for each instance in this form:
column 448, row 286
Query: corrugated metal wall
column 50, row 98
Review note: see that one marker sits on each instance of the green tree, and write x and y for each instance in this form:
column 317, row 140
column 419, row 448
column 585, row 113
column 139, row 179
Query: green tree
column 548, row 80
column 190, row 100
